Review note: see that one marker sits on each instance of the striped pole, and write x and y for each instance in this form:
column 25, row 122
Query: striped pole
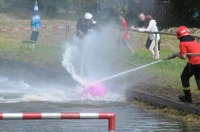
column 43, row 28
column 63, row 115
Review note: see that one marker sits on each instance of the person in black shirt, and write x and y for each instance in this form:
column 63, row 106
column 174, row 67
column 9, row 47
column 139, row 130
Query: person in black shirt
column 85, row 24
column 142, row 20
column 79, row 26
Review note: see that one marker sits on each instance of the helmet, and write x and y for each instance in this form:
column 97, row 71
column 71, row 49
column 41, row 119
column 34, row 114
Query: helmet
column 88, row 16
column 182, row 31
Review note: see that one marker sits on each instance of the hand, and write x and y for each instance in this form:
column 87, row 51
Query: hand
column 81, row 34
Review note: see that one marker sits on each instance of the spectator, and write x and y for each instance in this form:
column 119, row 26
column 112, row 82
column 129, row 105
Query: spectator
column 142, row 20
column 144, row 24
column 152, row 37
column 124, row 37
column 189, row 48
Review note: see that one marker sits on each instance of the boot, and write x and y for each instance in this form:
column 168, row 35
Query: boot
column 184, row 98
column 187, row 97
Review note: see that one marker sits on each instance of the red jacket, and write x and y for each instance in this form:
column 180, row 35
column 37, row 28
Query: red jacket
column 190, row 47
column 124, row 25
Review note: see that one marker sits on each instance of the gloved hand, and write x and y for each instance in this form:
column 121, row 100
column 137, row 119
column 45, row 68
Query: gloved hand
column 172, row 56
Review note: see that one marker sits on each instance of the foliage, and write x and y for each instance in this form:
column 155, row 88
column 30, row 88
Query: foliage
column 172, row 14
column 50, row 7
column 81, row 6
column 187, row 12
column 2, row 5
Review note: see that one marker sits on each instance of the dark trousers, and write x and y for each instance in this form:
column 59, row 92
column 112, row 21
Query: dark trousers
column 188, row 72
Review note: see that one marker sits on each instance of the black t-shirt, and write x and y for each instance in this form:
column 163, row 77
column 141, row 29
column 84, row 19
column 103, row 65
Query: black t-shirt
column 143, row 24
column 85, row 29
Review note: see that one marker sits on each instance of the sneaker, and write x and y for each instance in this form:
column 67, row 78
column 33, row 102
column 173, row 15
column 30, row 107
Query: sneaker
column 184, row 98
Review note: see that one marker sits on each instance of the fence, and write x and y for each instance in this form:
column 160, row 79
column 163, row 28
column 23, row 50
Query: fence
column 165, row 33
column 67, row 27
column 64, row 115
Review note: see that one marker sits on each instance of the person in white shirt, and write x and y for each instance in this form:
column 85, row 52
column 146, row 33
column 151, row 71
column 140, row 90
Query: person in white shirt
column 154, row 38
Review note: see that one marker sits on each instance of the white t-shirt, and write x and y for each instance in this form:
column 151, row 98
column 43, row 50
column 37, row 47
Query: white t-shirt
column 152, row 28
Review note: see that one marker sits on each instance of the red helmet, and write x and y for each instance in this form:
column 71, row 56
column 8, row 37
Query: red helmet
column 182, row 31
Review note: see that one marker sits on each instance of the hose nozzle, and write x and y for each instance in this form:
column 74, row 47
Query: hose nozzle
column 172, row 56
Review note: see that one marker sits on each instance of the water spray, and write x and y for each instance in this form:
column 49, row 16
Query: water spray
column 98, row 89
column 125, row 72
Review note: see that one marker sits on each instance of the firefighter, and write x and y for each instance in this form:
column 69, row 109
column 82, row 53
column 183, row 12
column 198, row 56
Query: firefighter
column 87, row 25
column 124, row 36
column 79, row 26
column 189, row 48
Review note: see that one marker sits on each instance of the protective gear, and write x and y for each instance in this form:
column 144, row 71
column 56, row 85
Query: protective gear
column 88, row 16
column 186, row 97
column 182, row 31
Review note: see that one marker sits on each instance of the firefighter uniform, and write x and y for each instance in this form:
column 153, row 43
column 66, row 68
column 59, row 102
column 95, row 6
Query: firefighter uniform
column 189, row 48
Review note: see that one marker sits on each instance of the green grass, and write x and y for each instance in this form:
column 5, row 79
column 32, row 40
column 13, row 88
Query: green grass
column 47, row 56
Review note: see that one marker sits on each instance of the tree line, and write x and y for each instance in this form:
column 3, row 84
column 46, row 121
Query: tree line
column 174, row 13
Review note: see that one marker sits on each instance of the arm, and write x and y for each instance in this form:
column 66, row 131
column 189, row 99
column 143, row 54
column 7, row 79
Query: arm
column 80, row 33
column 181, row 56
column 136, row 28
column 151, row 23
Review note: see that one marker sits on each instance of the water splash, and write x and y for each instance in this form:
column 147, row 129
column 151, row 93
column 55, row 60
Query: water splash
column 80, row 60
column 86, row 56
column 72, row 54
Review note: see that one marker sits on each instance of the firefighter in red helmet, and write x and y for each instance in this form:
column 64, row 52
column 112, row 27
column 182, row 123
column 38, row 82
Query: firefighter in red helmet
column 182, row 31
column 189, row 49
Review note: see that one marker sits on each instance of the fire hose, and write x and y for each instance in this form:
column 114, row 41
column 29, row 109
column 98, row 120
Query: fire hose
column 172, row 56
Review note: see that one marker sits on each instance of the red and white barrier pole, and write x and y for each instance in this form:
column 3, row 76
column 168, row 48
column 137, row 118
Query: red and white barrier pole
column 64, row 115
column 42, row 28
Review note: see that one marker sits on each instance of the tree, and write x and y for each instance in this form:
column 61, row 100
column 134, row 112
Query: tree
column 186, row 12
column 50, row 7
column 2, row 5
